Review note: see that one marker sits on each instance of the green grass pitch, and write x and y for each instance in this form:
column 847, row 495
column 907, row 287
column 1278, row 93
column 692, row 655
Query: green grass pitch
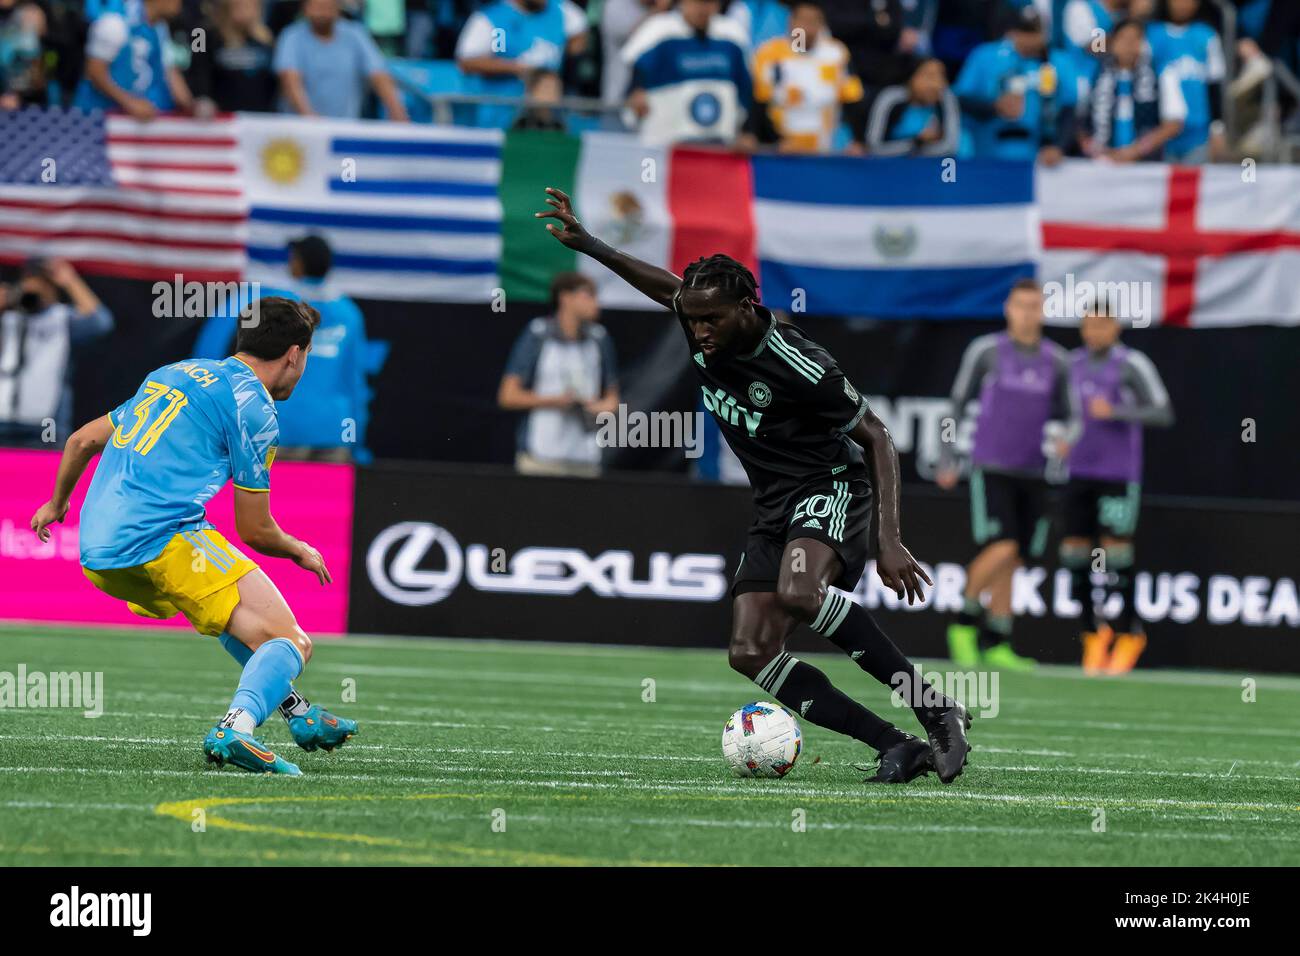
column 557, row 743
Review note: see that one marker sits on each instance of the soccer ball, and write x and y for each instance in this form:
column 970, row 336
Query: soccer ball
column 761, row 740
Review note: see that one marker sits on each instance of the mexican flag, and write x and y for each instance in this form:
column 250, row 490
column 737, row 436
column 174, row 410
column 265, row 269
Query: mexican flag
column 666, row 206
column 829, row 235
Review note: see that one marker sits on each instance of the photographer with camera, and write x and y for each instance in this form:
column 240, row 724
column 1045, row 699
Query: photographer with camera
column 38, row 332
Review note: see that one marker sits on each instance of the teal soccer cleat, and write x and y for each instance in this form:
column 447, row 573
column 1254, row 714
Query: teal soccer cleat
column 318, row 728
column 223, row 746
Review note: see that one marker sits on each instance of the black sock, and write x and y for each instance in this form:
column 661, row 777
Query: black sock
column 971, row 611
column 807, row 692
column 1077, row 562
column 996, row 629
column 856, row 633
column 1125, row 586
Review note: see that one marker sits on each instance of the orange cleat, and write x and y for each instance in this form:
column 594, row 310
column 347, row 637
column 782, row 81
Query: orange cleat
column 1128, row 648
column 1096, row 650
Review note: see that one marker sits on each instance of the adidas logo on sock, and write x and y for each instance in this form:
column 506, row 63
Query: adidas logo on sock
column 813, row 523
column 856, row 654
column 803, row 708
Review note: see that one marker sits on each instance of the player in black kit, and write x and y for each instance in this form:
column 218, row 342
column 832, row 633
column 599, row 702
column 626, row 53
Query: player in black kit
column 793, row 419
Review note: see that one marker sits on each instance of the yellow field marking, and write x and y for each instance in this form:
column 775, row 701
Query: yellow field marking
column 184, row 810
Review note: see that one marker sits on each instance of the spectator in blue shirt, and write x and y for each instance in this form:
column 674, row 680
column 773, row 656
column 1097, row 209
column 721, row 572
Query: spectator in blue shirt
column 1193, row 51
column 506, row 41
column 129, row 65
column 1017, row 97
column 327, row 416
column 326, row 64
column 563, row 374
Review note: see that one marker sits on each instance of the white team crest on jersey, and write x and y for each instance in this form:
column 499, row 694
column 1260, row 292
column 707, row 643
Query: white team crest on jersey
column 760, row 394
column 850, row 391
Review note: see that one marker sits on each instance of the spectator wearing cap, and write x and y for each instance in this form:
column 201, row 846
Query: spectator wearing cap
column 327, row 417
column 39, row 337
column 326, row 64
column 1018, row 98
column 562, row 374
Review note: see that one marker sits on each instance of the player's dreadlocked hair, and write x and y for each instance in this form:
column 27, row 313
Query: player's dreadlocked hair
column 721, row 272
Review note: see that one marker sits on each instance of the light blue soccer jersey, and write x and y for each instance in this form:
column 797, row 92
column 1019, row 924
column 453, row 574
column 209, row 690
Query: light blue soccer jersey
column 190, row 428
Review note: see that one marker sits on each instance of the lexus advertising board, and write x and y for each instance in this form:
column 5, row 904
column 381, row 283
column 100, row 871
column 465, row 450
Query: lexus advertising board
column 623, row 560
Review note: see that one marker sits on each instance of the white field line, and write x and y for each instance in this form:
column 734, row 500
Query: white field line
column 993, row 725
column 625, row 756
column 488, row 647
column 433, row 759
column 711, row 790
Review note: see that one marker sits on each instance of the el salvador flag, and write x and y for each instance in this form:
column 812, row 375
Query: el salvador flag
column 893, row 238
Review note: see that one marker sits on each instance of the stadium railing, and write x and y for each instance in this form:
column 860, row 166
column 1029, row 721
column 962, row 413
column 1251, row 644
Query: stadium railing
column 435, row 86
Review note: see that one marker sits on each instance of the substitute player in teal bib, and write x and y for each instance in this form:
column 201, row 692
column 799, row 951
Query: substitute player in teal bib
column 190, row 428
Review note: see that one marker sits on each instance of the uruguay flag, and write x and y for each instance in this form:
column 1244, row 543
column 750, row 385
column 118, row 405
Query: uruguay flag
column 893, row 238
column 411, row 212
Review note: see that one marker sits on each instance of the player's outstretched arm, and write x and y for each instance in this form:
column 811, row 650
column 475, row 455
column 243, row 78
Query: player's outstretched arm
column 259, row 530
column 894, row 563
column 86, row 442
column 658, row 284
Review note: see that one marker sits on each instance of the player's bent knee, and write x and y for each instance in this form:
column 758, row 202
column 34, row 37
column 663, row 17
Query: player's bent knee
column 302, row 642
column 801, row 601
column 749, row 659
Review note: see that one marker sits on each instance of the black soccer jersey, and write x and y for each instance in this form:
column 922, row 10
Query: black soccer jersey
column 786, row 410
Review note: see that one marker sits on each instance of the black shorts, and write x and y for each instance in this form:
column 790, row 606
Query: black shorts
column 837, row 513
column 1011, row 507
column 1092, row 507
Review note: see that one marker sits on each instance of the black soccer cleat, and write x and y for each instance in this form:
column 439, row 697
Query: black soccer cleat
column 905, row 761
column 948, row 745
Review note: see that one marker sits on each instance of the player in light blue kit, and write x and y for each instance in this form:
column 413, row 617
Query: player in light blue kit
column 145, row 538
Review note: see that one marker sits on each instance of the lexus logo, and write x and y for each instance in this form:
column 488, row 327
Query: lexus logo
column 399, row 578
column 398, row 562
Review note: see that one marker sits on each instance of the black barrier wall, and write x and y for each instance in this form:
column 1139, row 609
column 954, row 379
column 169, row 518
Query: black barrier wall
column 619, row 560
column 1235, row 390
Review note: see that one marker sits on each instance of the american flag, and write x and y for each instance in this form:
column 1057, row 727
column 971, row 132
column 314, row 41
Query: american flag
column 120, row 197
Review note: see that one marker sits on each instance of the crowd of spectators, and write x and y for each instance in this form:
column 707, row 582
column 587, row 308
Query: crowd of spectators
column 1125, row 79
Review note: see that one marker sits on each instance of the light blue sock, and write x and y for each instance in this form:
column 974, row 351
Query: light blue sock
column 267, row 679
column 236, row 648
